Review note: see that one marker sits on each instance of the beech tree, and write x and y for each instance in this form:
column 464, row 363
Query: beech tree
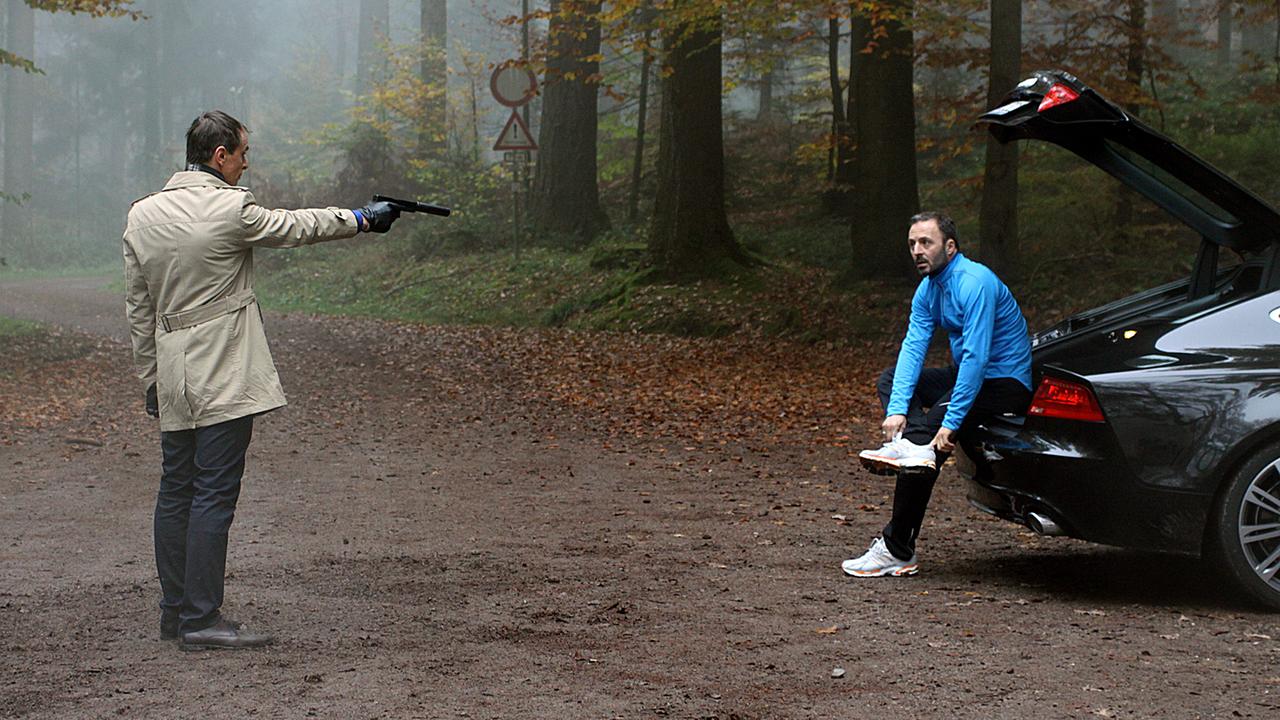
column 433, row 23
column 998, row 217
column 374, row 15
column 17, row 61
column 19, row 122
column 839, row 199
column 884, row 123
column 566, row 196
column 690, row 233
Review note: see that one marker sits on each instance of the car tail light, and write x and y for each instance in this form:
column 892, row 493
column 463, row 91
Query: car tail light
column 1059, row 94
column 1058, row 398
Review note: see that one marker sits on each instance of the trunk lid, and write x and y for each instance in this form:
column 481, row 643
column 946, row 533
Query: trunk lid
column 1054, row 106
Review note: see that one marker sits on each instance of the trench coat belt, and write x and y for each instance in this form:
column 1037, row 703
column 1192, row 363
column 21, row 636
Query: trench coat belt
column 213, row 309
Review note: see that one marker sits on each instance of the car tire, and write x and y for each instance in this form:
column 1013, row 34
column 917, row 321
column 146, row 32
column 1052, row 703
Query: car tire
column 1245, row 533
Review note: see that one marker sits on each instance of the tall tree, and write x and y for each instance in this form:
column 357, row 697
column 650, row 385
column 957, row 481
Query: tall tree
column 92, row 8
column 1225, row 16
column 1135, row 22
column 642, row 113
column 19, row 126
column 1256, row 34
column 770, row 76
column 434, row 23
column 151, row 159
column 884, row 123
column 566, row 195
column 838, row 199
column 998, row 216
column 690, row 233
column 374, row 18
column 341, row 29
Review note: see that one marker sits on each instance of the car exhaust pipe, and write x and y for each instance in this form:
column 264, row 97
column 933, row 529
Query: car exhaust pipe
column 1043, row 524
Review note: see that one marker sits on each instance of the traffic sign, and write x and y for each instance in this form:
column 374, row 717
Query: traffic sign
column 513, row 85
column 515, row 136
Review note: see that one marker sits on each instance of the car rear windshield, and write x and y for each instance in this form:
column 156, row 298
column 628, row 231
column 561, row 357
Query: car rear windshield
column 1164, row 178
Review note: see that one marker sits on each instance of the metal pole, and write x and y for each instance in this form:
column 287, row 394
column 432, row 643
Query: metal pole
column 524, row 50
column 516, row 184
column 524, row 54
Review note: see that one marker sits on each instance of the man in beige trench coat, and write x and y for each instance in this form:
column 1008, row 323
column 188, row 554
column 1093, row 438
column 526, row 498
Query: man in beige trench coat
column 203, row 358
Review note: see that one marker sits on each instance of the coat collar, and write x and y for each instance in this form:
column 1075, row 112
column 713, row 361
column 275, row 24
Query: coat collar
column 194, row 178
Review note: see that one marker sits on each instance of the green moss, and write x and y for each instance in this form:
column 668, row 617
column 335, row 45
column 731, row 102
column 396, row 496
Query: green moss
column 11, row 327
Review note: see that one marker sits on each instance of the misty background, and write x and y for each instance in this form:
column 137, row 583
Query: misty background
column 117, row 94
column 770, row 148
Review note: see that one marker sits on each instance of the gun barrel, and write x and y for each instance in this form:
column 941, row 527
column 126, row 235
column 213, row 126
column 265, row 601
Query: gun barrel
column 414, row 206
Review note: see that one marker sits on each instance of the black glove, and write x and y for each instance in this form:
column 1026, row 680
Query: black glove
column 153, row 403
column 380, row 215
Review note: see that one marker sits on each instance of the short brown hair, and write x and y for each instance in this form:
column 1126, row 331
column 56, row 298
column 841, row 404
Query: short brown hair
column 946, row 225
column 210, row 130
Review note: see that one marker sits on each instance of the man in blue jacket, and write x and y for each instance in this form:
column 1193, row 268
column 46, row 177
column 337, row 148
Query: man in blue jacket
column 925, row 408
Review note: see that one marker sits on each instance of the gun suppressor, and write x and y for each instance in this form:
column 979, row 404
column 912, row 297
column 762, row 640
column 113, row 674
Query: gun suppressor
column 414, row 206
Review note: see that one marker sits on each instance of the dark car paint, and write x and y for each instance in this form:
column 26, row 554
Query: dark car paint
column 1187, row 375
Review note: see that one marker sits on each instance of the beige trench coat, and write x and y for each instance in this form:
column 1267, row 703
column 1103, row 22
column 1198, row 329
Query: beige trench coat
column 188, row 246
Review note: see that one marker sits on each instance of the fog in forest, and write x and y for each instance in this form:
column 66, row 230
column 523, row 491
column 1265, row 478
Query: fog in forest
column 115, row 95
column 684, row 134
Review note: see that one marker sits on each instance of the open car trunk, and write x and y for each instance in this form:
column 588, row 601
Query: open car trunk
column 1055, row 107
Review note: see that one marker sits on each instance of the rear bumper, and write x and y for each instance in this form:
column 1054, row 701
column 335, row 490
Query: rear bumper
column 1074, row 475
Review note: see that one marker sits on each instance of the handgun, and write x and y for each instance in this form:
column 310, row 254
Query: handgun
column 413, row 206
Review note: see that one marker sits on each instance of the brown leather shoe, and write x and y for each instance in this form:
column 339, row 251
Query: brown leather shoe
column 224, row 634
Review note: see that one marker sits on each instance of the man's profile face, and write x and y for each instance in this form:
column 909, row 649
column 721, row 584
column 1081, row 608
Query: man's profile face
column 233, row 164
column 929, row 250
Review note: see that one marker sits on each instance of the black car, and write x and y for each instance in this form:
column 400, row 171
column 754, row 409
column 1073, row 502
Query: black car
column 1155, row 422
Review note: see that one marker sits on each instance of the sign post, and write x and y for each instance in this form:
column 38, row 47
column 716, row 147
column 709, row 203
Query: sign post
column 514, row 87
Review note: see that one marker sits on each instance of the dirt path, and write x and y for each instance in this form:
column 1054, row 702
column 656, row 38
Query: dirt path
column 432, row 534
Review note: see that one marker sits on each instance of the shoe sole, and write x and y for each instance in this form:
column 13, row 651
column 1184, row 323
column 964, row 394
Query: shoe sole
column 188, row 647
column 895, row 572
column 878, row 465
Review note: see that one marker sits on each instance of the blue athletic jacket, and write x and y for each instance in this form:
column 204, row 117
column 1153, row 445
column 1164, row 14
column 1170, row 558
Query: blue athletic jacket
column 988, row 335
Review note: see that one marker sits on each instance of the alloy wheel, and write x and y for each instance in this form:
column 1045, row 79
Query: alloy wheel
column 1259, row 524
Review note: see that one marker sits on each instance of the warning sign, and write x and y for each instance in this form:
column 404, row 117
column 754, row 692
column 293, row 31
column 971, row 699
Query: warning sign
column 515, row 136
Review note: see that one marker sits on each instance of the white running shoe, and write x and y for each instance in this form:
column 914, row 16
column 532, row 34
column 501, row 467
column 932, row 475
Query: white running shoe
column 878, row 561
column 899, row 454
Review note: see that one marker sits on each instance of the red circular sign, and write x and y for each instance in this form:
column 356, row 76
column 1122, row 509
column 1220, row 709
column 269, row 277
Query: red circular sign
column 513, row 85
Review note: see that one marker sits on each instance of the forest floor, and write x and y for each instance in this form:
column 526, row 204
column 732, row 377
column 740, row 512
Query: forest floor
column 467, row 522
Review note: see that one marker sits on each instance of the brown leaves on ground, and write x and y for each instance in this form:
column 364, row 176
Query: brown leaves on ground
column 736, row 390
column 48, row 377
column 728, row 390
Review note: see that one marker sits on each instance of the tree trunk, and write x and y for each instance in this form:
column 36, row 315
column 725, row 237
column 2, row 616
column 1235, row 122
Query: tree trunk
column 19, row 126
column 566, row 194
column 766, row 86
column 1257, row 34
column 690, row 234
column 884, row 125
column 433, row 21
column 1135, row 66
column 998, row 217
column 642, row 117
column 1223, row 58
column 374, row 16
column 838, row 200
column 151, row 162
column 764, row 96
column 1166, row 24
column 340, row 30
